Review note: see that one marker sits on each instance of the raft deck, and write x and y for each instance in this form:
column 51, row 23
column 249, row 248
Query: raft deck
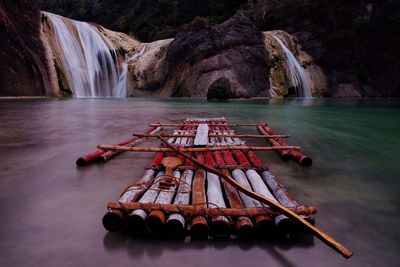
column 205, row 181
column 188, row 200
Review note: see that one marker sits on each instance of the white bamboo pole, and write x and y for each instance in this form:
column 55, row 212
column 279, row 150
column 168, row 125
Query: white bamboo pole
column 176, row 223
column 220, row 224
column 156, row 219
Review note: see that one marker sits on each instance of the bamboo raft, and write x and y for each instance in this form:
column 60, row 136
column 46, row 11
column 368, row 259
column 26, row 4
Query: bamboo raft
column 206, row 182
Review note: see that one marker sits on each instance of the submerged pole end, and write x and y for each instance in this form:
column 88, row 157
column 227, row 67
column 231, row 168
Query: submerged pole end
column 80, row 162
column 113, row 221
column 306, row 162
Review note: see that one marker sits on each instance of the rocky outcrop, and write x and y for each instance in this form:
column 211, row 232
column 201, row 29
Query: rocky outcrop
column 203, row 60
column 23, row 65
column 147, row 72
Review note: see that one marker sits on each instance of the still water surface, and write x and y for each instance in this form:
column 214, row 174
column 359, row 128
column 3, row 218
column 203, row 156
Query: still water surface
column 51, row 210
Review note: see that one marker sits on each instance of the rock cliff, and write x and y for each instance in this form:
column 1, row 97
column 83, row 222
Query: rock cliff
column 227, row 60
column 23, row 65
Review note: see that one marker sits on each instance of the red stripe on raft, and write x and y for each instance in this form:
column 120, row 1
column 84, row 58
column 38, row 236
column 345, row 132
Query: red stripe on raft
column 189, row 162
column 200, row 157
column 254, row 159
column 218, row 158
column 228, row 158
column 241, row 158
column 156, row 162
column 208, row 159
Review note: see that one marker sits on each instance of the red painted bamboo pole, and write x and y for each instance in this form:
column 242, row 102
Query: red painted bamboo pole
column 255, row 160
column 208, row 159
column 156, row 162
column 218, row 158
column 92, row 157
column 241, row 158
column 228, row 158
column 283, row 153
column 296, row 155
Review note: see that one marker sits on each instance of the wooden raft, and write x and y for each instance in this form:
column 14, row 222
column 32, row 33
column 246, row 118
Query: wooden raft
column 178, row 197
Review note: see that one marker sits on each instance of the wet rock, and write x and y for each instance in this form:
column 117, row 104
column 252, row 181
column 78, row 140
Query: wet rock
column 23, row 64
column 206, row 57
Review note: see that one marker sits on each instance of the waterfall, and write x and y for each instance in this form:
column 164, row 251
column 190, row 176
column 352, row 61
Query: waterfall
column 89, row 60
column 298, row 78
column 123, row 78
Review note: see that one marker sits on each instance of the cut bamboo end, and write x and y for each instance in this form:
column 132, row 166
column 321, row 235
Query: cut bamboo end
column 81, row 162
column 265, row 226
column 220, row 227
column 113, row 221
column 285, row 156
column 285, row 226
column 136, row 221
column 175, row 226
column 306, row 161
column 155, row 222
column 244, row 228
column 200, row 228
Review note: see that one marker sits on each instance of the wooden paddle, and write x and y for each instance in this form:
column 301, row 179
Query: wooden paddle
column 169, row 163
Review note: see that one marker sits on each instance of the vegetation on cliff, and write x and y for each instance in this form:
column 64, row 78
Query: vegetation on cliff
column 148, row 20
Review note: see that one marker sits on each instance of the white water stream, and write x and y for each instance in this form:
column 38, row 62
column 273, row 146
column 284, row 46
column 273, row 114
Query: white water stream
column 88, row 59
column 298, row 78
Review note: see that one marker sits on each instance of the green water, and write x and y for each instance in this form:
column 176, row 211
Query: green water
column 52, row 210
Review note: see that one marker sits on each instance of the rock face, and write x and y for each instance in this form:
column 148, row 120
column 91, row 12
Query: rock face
column 148, row 71
column 228, row 60
column 232, row 59
column 23, row 65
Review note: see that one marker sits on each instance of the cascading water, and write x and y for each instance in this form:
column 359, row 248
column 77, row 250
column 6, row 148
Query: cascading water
column 89, row 62
column 122, row 83
column 298, row 78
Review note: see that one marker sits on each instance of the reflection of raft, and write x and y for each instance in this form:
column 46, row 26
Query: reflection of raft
column 205, row 181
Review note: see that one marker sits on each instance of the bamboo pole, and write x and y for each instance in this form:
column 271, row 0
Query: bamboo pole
column 219, row 223
column 111, row 154
column 136, row 219
column 296, row 155
column 196, row 149
column 222, row 135
column 200, row 226
column 113, row 220
column 201, row 210
column 86, row 159
column 280, row 192
column 264, row 223
column 255, row 160
column 156, row 219
column 196, row 123
column 284, row 225
column 244, row 226
column 176, row 222
column 283, row 153
column 317, row 232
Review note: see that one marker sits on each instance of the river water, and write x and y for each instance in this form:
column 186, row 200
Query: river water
column 52, row 210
